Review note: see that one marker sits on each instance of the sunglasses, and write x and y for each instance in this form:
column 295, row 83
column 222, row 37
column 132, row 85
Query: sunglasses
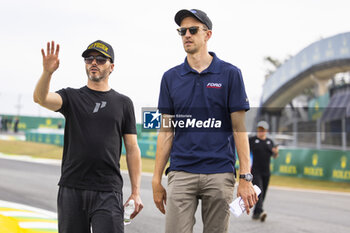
column 193, row 30
column 100, row 60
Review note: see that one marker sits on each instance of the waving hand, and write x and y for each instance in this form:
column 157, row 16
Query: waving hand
column 50, row 59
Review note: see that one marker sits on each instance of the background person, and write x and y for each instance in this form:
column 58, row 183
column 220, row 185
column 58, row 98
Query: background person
column 5, row 122
column 97, row 118
column 15, row 125
column 262, row 149
column 201, row 161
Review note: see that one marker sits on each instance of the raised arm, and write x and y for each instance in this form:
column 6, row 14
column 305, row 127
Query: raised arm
column 42, row 96
column 133, row 160
column 164, row 144
column 245, row 188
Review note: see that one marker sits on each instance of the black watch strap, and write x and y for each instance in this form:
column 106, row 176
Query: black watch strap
column 247, row 176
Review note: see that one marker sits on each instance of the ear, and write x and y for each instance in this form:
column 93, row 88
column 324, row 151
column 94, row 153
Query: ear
column 208, row 35
column 111, row 68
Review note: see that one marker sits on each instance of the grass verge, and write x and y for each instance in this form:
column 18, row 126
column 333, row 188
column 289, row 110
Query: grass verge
column 55, row 152
column 34, row 149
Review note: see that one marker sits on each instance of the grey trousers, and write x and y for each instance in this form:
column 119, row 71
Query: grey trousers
column 183, row 192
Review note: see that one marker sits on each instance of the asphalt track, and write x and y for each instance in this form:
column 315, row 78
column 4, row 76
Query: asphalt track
column 289, row 210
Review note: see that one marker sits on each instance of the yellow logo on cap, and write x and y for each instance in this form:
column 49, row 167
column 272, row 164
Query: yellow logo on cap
column 99, row 45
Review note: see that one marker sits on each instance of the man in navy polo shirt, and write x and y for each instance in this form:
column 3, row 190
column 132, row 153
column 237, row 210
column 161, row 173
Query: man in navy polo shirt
column 203, row 104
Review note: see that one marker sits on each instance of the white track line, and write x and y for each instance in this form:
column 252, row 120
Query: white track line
column 6, row 204
column 20, row 211
column 24, row 214
column 38, row 225
column 27, row 158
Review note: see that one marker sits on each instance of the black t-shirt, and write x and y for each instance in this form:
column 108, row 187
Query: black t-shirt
column 95, row 124
column 262, row 152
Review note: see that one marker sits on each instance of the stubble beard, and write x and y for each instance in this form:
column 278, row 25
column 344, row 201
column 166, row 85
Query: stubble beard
column 97, row 78
column 191, row 50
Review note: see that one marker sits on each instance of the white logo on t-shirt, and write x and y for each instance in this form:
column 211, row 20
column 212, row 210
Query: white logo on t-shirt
column 99, row 105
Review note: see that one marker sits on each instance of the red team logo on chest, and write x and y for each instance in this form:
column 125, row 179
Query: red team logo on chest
column 214, row 85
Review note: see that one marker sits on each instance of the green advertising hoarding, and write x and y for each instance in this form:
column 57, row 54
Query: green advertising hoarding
column 331, row 165
column 29, row 122
column 48, row 136
column 315, row 164
column 147, row 148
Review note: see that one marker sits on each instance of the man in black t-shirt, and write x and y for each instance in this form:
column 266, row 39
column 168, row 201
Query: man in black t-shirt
column 97, row 119
column 262, row 149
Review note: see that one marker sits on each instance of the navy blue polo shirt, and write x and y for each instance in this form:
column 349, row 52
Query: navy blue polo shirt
column 201, row 104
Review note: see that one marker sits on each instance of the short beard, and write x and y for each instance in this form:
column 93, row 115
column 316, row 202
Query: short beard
column 97, row 78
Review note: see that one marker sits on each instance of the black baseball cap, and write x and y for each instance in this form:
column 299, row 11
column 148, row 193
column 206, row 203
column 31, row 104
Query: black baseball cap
column 102, row 47
column 197, row 14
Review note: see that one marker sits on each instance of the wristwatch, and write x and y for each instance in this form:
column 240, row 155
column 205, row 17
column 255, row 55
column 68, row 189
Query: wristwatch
column 248, row 177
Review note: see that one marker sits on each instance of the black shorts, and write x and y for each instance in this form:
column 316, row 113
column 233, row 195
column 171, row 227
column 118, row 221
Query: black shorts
column 79, row 211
